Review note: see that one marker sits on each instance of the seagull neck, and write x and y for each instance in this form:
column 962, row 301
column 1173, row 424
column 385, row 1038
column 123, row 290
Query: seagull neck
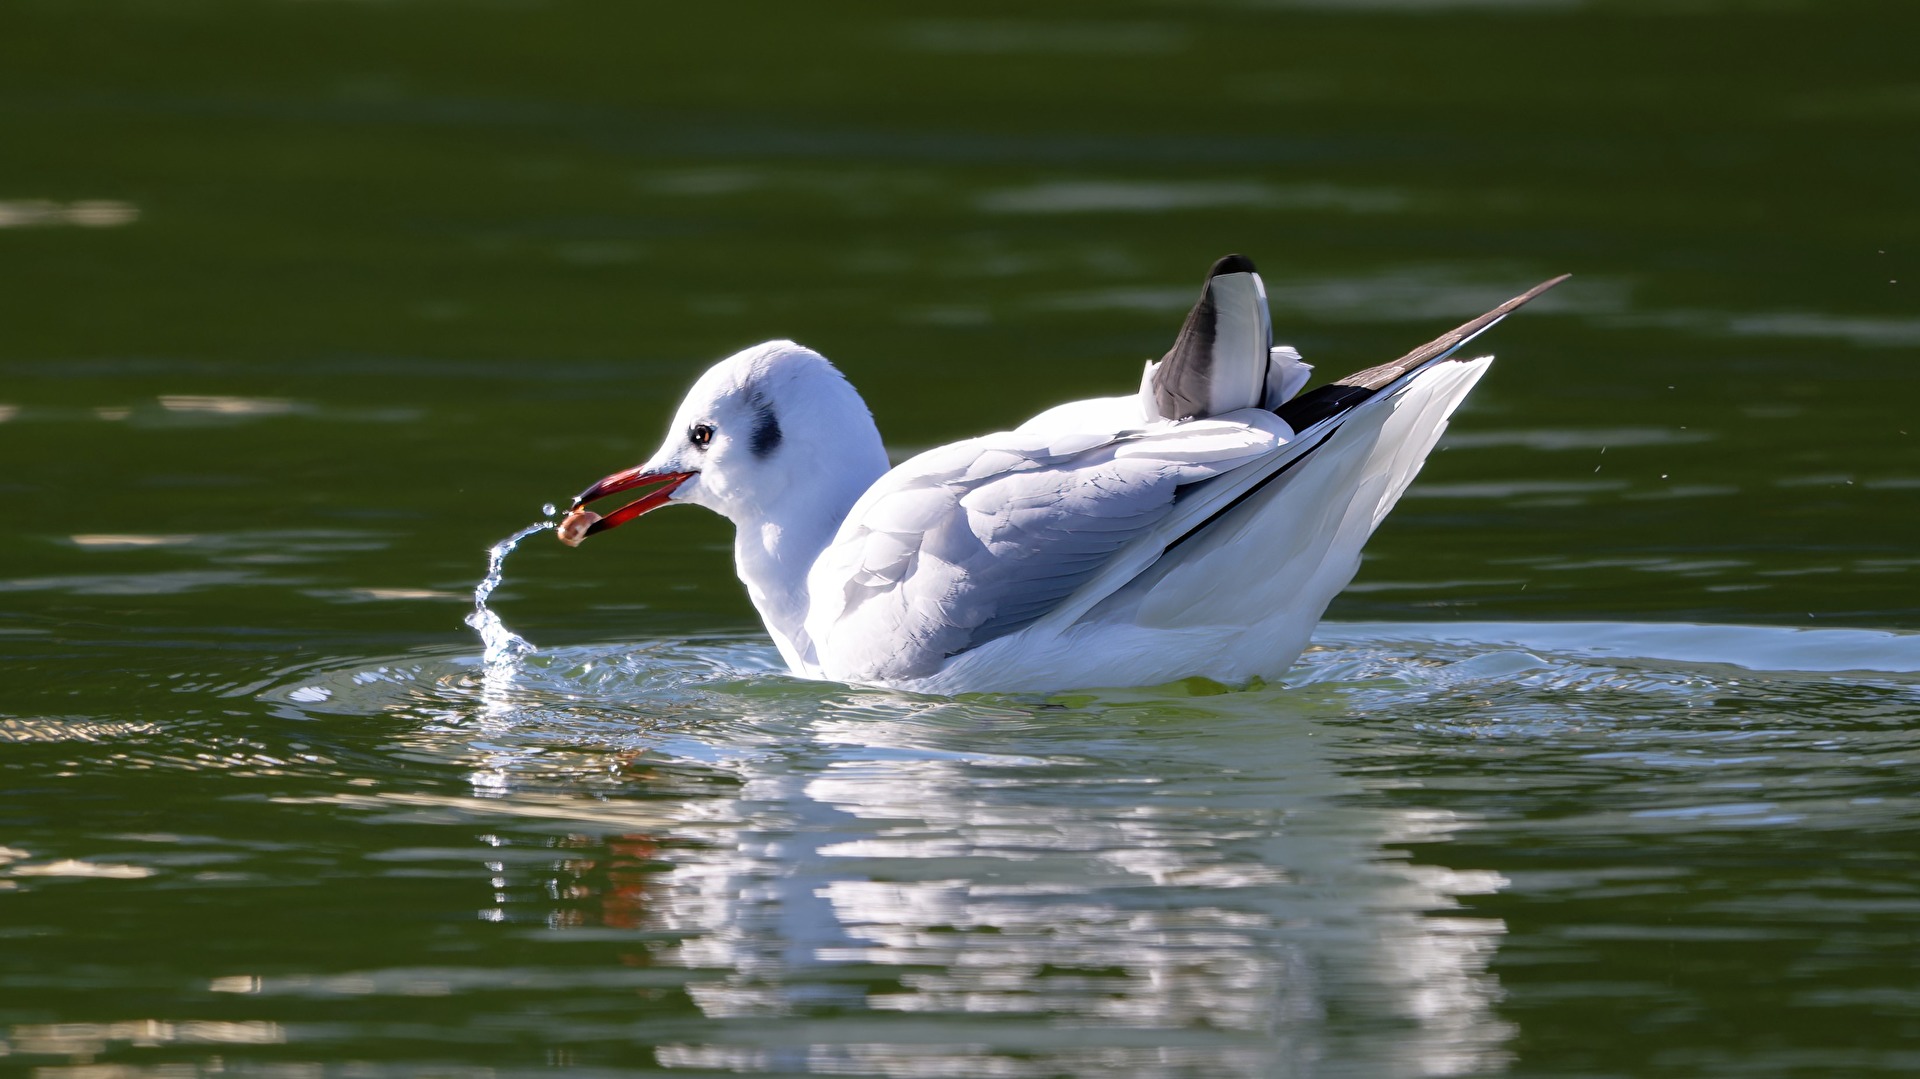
column 776, row 547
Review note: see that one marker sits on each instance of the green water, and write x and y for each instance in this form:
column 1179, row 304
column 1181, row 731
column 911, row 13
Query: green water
column 304, row 305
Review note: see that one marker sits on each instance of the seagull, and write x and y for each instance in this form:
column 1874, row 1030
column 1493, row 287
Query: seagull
column 1197, row 527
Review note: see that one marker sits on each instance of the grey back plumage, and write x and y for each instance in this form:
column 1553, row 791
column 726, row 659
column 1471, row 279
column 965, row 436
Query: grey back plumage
column 970, row 542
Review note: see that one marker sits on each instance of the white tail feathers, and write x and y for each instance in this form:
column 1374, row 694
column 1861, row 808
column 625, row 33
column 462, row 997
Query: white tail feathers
column 1287, row 375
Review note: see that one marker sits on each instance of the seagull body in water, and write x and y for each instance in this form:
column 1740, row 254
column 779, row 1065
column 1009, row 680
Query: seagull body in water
column 1198, row 527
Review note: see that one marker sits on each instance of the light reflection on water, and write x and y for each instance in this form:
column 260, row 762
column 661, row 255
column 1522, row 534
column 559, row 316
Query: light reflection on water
column 674, row 845
column 1180, row 880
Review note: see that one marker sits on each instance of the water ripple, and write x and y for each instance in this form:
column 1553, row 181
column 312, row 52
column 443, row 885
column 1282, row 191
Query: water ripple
column 1326, row 866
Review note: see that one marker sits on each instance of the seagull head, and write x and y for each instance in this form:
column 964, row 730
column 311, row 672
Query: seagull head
column 760, row 430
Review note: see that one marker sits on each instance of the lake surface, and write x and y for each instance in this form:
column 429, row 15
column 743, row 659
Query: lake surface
column 1604, row 766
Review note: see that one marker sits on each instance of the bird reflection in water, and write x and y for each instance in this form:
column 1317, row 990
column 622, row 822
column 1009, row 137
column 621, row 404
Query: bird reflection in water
column 605, row 883
column 1110, row 885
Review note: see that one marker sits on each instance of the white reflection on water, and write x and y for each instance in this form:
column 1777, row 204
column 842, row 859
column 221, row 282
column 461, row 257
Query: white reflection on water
column 226, row 405
column 103, row 541
column 1558, row 439
column 1153, row 881
column 87, row 1040
column 1865, row 331
column 1404, row 294
column 918, row 886
column 1159, row 196
column 1107, row 892
column 86, row 213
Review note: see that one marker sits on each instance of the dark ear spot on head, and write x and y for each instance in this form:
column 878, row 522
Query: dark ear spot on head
column 766, row 427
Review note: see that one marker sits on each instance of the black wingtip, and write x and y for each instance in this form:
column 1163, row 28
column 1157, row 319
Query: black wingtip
column 1232, row 264
column 1447, row 343
column 1335, row 397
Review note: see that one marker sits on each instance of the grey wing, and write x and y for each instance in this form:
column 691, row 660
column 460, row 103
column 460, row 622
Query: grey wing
column 977, row 540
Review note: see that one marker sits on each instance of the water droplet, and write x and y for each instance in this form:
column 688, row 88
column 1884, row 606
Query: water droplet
column 547, row 509
column 503, row 646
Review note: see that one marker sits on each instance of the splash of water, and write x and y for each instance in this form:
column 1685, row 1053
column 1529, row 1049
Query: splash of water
column 503, row 646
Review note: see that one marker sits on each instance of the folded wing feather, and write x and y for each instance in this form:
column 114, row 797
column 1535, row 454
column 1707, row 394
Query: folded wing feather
column 975, row 540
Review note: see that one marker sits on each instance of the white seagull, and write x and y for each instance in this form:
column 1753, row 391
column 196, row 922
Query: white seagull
column 1197, row 527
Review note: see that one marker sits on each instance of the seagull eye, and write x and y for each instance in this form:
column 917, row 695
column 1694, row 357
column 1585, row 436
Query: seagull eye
column 700, row 434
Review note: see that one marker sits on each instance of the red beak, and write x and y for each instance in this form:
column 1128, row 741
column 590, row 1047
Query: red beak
column 666, row 483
